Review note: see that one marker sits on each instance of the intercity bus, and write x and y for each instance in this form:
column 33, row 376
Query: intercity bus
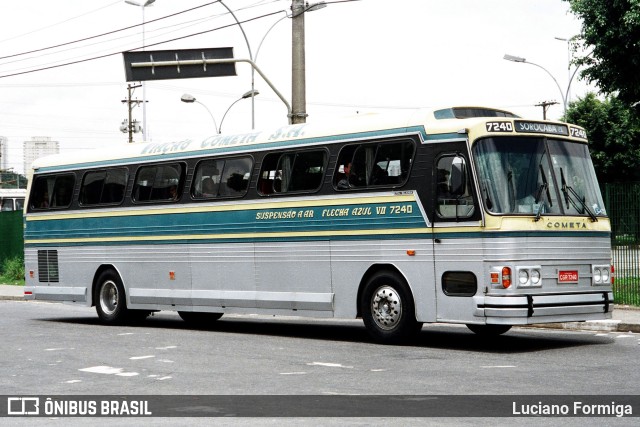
column 461, row 215
column 12, row 199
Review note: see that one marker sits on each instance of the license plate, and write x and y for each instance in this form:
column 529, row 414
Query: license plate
column 568, row 276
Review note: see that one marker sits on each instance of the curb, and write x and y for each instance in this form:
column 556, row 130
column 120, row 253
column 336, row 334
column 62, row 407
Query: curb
column 11, row 298
column 592, row 325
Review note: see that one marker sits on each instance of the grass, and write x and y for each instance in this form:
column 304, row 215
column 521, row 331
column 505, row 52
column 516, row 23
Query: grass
column 626, row 290
column 12, row 271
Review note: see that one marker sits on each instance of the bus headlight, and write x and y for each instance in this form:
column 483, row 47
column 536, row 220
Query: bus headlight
column 601, row 275
column 523, row 276
column 529, row 276
column 535, row 277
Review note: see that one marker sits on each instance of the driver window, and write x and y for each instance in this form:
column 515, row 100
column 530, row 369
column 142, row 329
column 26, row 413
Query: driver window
column 454, row 199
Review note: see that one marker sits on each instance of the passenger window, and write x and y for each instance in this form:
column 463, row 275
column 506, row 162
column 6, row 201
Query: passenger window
column 54, row 191
column 222, row 178
column 453, row 188
column 292, row 172
column 373, row 165
column 103, row 187
column 158, row 183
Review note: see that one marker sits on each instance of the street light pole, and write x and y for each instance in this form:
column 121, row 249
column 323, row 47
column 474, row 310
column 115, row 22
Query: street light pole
column 298, row 71
column 144, row 87
column 190, row 99
column 246, row 39
column 522, row 60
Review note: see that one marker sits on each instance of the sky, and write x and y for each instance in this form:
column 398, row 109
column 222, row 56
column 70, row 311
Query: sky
column 366, row 56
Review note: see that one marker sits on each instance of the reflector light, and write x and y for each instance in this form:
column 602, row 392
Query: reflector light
column 411, row 252
column 495, row 278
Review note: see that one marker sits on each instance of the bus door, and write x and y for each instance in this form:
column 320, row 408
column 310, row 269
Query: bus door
column 457, row 244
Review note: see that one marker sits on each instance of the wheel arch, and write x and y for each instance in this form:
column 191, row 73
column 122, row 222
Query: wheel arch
column 371, row 271
column 94, row 285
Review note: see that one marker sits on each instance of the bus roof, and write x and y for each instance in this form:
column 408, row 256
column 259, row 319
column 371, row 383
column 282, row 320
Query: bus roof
column 427, row 122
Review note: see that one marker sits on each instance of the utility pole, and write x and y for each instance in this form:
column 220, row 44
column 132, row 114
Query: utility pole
column 131, row 126
column 545, row 106
column 298, row 79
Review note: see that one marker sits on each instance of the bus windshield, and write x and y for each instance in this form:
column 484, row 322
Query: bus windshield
column 537, row 176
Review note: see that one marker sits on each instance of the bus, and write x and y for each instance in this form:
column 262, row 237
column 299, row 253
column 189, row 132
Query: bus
column 12, row 199
column 465, row 215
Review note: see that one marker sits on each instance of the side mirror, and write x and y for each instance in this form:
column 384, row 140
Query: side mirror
column 458, row 176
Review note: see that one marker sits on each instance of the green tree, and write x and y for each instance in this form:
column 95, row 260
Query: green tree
column 614, row 135
column 611, row 35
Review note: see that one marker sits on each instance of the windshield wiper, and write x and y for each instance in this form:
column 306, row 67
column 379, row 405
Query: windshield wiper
column 542, row 190
column 570, row 196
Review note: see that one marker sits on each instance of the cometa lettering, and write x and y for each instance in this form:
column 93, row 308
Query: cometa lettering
column 567, row 225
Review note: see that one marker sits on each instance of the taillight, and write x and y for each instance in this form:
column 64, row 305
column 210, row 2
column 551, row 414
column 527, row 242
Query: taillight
column 506, row 277
column 613, row 277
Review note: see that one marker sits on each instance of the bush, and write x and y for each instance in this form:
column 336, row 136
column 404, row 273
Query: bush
column 12, row 270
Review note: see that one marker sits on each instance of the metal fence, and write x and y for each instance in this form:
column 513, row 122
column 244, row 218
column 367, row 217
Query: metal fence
column 623, row 207
column 11, row 240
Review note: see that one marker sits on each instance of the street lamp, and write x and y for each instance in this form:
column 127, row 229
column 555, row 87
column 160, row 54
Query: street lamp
column 144, row 88
column 190, row 99
column 513, row 58
column 309, row 8
column 250, row 94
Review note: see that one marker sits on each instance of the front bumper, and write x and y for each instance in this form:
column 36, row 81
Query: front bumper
column 544, row 308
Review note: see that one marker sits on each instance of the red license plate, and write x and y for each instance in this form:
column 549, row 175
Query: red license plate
column 568, row 276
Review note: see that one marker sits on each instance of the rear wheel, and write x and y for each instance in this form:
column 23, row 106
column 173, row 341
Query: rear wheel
column 489, row 330
column 199, row 318
column 111, row 303
column 387, row 308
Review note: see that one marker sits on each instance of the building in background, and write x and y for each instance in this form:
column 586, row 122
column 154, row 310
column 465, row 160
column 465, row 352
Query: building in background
column 3, row 152
column 39, row 146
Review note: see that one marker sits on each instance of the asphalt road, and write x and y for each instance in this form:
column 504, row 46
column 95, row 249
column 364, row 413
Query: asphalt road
column 53, row 349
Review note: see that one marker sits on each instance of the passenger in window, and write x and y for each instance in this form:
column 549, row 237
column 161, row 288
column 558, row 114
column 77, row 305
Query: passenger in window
column 343, row 179
column 44, row 203
column 208, row 188
column 173, row 192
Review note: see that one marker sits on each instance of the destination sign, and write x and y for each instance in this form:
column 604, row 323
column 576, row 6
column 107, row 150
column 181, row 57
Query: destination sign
column 538, row 127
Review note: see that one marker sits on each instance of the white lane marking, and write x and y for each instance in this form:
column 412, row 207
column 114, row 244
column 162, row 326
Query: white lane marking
column 164, row 378
column 165, row 361
column 624, row 336
column 329, row 365
column 108, row 370
column 498, row 366
column 73, row 381
column 141, row 357
column 58, row 349
column 293, row 373
column 167, row 347
column 126, row 333
column 377, row 370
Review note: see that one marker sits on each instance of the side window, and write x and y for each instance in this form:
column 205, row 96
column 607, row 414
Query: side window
column 373, row 165
column 292, row 172
column 453, row 188
column 235, row 177
column 54, row 191
column 222, row 178
column 158, row 183
column 207, row 179
column 103, row 187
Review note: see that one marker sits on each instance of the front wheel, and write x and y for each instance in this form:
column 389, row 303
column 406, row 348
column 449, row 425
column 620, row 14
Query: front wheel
column 387, row 308
column 111, row 303
column 489, row 330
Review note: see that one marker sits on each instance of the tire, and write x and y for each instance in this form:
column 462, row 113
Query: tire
column 198, row 318
column 387, row 308
column 489, row 330
column 111, row 301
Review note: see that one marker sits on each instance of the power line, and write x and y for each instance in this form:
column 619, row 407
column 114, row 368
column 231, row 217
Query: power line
column 141, row 47
column 107, row 33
